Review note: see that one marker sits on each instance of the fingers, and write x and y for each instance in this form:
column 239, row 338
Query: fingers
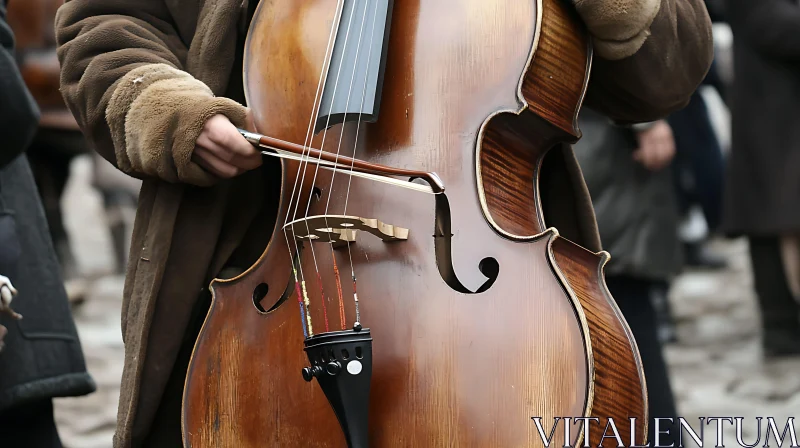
column 644, row 159
column 656, row 146
column 655, row 153
column 667, row 153
column 229, row 156
column 221, row 138
column 214, row 164
column 665, row 149
column 5, row 281
column 7, row 293
column 11, row 287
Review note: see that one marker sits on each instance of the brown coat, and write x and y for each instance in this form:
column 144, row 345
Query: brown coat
column 141, row 77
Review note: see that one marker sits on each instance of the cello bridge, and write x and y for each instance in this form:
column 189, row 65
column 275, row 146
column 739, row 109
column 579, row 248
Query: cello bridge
column 342, row 230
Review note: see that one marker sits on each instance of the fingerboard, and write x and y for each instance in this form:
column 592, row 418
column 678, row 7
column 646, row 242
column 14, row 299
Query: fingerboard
column 355, row 77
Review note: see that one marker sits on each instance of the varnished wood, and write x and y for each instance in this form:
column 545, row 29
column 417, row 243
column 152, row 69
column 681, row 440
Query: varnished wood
column 618, row 393
column 467, row 95
column 511, row 155
column 555, row 85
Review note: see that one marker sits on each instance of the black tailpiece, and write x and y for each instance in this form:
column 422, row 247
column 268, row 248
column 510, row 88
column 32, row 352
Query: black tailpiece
column 341, row 361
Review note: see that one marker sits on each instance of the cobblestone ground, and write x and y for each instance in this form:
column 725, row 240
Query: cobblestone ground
column 716, row 366
column 88, row 422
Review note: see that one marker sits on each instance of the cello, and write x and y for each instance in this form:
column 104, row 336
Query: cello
column 411, row 293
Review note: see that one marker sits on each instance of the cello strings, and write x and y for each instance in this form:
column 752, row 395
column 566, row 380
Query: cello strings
column 342, row 317
column 300, row 284
column 330, row 111
column 336, row 162
column 314, row 114
column 316, row 170
column 347, row 106
column 352, row 164
column 324, row 308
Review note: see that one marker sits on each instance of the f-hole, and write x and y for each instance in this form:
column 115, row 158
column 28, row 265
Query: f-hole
column 261, row 291
column 444, row 259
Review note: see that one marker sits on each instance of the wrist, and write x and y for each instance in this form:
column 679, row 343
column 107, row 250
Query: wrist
column 156, row 114
column 642, row 127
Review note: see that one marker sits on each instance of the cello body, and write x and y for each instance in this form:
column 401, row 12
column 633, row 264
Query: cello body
column 483, row 317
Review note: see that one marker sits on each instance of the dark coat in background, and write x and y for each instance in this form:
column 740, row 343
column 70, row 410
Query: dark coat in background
column 717, row 10
column 636, row 210
column 42, row 357
column 763, row 179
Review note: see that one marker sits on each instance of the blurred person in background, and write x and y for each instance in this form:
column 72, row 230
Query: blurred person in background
column 717, row 10
column 699, row 164
column 631, row 186
column 58, row 141
column 698, row 172
column 699, row 169
column 698, row 175
column 41, row 357
column 762, row 192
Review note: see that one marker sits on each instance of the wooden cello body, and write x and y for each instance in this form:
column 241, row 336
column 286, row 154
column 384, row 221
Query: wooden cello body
column 480, row 316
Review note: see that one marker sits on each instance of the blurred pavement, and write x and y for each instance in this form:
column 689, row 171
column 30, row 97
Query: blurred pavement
column 717, row 367
column 89, row 422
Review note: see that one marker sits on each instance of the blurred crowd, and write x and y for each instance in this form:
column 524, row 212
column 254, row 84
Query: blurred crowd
column 663, row 190
column 725, row 166
column 58, row 140
column 42, row 357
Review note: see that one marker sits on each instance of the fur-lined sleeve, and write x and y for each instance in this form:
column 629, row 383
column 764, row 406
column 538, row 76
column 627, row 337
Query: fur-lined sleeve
column 123, row 79
column 660, row 77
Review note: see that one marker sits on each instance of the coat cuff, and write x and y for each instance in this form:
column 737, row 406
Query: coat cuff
column 615, row 50
column 619, row 27
column 641, row 127
column 156, row 114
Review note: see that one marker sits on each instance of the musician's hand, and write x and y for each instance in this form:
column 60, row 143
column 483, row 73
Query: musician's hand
column 7, row 292
column 656, row 146
column 221, row 150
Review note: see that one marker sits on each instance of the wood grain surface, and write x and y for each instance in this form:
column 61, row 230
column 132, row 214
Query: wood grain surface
column 450, row 368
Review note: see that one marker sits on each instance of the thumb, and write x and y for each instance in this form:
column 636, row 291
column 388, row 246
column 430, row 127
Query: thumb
column 6, row 296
